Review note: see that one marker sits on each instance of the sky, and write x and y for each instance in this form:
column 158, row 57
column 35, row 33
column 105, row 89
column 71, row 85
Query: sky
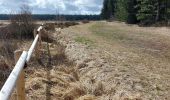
column 53, row 6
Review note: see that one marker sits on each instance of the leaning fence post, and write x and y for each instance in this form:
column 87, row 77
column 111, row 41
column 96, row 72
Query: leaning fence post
column 20, row 85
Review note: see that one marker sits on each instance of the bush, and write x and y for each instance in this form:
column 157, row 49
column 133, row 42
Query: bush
column 22, row 24
column 85, row 21
column 1, row 24
column 4, row 70
column 22, row 31
column 50, row 26
column 4, row 33
column 7, row 49
column 72, row 23
column 66, row 24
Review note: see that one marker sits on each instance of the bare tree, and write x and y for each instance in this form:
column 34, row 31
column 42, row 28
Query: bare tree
column 57, row 15
column 23, row 22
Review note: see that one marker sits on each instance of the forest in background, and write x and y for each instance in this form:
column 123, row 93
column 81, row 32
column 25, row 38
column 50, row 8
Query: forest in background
column 54, row 17
column 145, row 12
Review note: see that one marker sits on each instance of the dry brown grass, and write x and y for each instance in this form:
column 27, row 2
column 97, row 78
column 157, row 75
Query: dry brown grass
column 50, row 26
column 7, row 49
column 4, row 70
column 58, row 81
column 65, row 24
column 74, row 91
column 135, row 60
column 87, row 97
column 123, row 65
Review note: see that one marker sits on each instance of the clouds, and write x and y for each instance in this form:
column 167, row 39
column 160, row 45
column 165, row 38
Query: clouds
column 51, row 6
column 88, row 6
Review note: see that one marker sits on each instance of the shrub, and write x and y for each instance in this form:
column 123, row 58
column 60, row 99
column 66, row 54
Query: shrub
column 50, row 26
column 85, row 21
column 66, row 24
column 4, row 33
column 22, row 24
column 72, row 23
column 4, row 70
column 7, row 50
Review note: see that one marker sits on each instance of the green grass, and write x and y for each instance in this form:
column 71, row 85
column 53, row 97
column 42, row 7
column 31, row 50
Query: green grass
column 121, row 35
column 135, row 40
column 84, row 40
column 109, row 32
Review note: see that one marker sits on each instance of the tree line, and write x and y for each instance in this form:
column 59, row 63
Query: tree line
column 53, row 17
column 137, row 11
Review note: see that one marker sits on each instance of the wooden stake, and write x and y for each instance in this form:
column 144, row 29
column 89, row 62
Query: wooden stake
column 20, row 86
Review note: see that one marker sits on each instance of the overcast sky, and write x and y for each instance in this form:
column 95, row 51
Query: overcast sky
column 52, row 6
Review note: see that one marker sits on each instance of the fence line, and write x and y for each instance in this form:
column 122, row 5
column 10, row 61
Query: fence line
column 17, row 73
column 32, row 48
column 12, row 79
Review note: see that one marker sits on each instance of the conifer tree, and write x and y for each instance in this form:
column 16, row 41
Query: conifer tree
column 147, row 11
column 108, row 9
column 104, row 13
column 121, row 10
column 132, row 11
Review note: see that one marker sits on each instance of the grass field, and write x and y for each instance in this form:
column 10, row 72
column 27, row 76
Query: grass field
column 102, row 61
column 141, row 53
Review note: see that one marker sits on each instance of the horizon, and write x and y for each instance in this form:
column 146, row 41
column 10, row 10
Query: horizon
column 60, row 14
column 52, row 7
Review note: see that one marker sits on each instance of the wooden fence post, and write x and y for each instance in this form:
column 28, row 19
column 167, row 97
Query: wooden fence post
column 20, row 86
